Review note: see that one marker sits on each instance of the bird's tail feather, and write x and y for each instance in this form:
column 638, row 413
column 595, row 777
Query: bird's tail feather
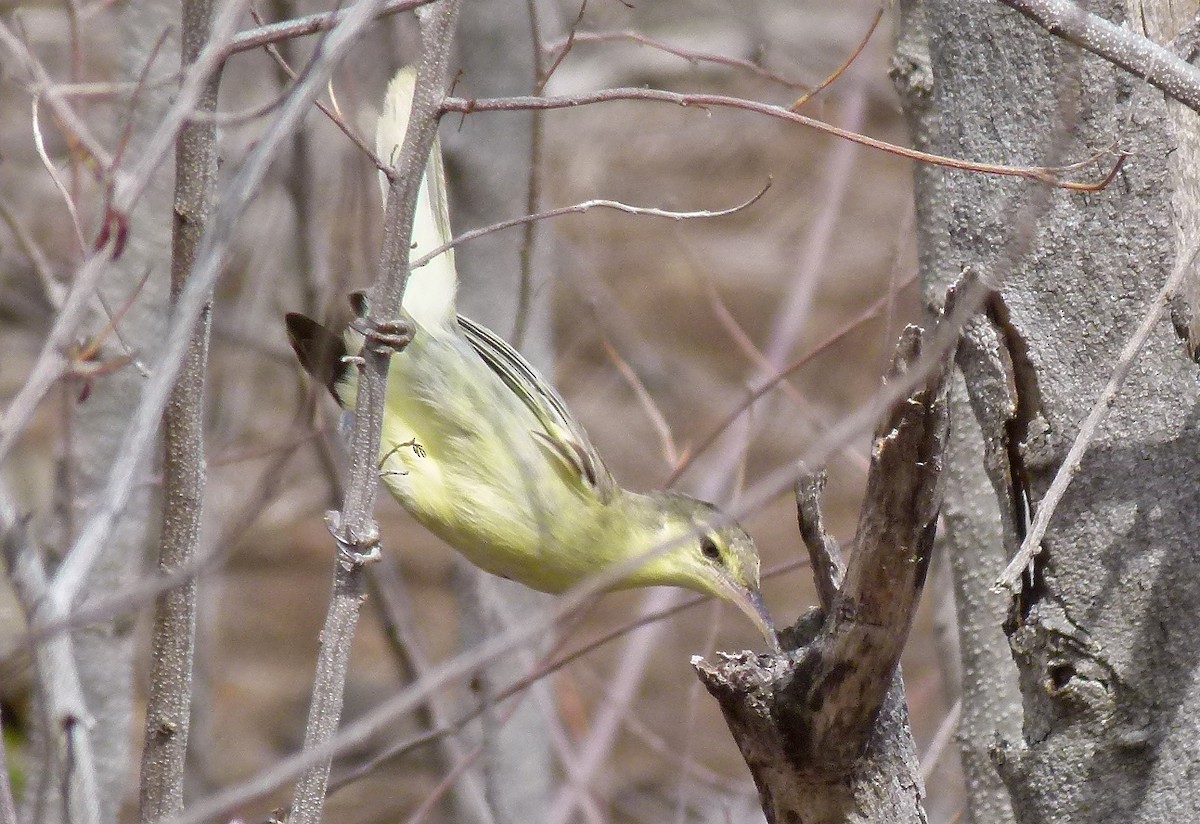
column 429, row 297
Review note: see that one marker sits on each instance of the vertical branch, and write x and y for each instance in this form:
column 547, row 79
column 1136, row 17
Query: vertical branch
column 60, row 692
column 354, row 528
column 168, row 705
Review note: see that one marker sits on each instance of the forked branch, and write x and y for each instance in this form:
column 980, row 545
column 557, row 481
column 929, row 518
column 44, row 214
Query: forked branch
column 824, row 728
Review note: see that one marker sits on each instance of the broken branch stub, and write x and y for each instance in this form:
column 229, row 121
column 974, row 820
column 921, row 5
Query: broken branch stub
column 824, row 727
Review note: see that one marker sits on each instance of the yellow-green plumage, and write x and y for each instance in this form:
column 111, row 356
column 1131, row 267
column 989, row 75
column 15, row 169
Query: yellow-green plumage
column 483, row 452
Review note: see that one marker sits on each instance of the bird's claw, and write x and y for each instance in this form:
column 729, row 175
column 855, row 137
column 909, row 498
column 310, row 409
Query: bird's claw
column 384, row 336
column 354, row 550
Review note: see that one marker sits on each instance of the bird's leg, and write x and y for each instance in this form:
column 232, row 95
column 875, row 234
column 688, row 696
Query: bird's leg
column 417, row 449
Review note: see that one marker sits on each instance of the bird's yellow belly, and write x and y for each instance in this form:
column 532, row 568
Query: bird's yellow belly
column 467, row 466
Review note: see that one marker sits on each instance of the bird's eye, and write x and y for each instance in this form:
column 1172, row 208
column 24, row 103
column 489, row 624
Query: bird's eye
column 708, row 548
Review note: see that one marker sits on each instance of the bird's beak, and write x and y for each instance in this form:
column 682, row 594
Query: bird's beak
column 750, row 602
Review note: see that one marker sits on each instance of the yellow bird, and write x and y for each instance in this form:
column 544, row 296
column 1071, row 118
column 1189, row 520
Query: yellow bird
column 483, row 452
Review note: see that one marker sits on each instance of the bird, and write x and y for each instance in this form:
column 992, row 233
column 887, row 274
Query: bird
column 483, row 452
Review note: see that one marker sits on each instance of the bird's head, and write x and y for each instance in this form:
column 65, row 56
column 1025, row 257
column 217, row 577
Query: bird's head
column 708, row 553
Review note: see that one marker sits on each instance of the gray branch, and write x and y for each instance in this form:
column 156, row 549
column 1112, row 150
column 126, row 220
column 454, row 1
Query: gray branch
column 168, row 704
column 824, row 728
column 354, row 529
column 1133, row 52
column 60, row 689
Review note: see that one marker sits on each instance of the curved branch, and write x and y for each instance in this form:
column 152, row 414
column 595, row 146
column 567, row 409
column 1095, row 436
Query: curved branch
column 1042, row 174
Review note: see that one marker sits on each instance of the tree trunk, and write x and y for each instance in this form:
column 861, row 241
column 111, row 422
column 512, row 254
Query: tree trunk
column 1100, row 630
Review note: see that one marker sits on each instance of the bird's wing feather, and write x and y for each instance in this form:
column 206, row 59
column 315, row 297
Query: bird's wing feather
column 560, row 432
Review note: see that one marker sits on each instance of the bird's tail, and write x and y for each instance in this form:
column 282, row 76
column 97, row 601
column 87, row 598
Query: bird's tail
column 429, row 297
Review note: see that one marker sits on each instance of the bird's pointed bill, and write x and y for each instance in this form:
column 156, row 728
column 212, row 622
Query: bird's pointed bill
column 750, row 602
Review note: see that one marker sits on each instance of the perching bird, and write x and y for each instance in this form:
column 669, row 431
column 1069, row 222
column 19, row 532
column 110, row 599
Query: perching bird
column 483, row 452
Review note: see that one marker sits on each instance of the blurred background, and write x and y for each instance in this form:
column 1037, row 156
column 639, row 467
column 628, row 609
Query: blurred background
column 656, row 331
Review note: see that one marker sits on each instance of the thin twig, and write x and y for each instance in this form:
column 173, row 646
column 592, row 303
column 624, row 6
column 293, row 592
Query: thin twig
column 693, row 56
column 846, row 64
column 657, row 419
column 585, row 206
column 744, row 342
column 572, row 32
column 40, row 146
column 325, row 109
column 791, row 318
column 263, row 35
column 46, row 88
column 1032, row 544
column 775, row 380
column 941, row 742
column 53, row 290
column 1042, row 174
column 127, row 190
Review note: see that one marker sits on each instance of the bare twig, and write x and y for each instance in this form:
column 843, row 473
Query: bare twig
column 1032, row 544
column 53, row 290
column 1042, row 174
column 312, row 24
column 126, row 190
column 693, row 56
column 941, row 742
column 846, row 64
column 169, row 700
column 813, row 253
column 623, row 687
column 772, row 378
column 48, row 91
column 325, row 109
column 1126, row 49
column 533, row 190
column 657, row 420
column 585, row 206
column 775, row 380
column 52, row 172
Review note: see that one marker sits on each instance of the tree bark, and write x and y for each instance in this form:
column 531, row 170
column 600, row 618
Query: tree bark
column 824, row 726
column 1098, row 629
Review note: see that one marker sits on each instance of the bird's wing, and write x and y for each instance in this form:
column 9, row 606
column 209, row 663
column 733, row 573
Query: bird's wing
column 560, row 432
column 430, row 293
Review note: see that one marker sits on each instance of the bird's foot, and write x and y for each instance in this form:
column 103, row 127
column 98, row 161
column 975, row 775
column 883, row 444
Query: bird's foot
column 384, row 336
column 354, row 549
